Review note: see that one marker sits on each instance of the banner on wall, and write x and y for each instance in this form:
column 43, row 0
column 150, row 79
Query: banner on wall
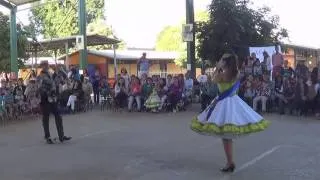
column 259, row 51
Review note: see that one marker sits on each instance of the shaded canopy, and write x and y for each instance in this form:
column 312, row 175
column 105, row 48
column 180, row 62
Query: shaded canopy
column 59, row 43
column 12, row 3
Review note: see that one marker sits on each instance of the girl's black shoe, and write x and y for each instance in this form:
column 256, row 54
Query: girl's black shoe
column 229, row 168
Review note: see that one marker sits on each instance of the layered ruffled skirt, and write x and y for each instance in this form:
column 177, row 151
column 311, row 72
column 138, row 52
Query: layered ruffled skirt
column 231, row 117
column 153, row 102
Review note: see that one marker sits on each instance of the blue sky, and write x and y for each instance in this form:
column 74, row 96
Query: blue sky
column 139, row 21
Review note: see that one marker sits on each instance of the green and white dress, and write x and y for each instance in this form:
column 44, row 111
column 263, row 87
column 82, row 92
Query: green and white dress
column 153, row 102
column 228, row 117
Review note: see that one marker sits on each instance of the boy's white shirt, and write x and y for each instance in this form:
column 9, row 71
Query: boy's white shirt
column 117, row 89
column 187, row 83
column 202, row 78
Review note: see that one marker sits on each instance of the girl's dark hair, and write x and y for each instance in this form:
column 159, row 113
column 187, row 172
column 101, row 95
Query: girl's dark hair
column 121, row 78
column 231, row 62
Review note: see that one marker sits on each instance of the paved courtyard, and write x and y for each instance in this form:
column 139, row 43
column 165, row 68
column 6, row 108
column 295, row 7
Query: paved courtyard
column 142, row 146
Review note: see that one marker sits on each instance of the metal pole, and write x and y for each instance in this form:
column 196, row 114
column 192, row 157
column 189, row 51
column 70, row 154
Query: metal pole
column 36, row 58
column 191, row 45
column 13, row 42
column 318, row 62
column 67, row 56
column 115, row 61
column 82, row 28
column 55, row 58
column 32, row 62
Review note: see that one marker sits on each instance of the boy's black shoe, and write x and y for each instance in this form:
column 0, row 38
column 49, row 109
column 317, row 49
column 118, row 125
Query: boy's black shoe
column 49, row 141
column 64, row 138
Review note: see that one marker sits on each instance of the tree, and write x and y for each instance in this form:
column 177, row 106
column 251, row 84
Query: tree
column 234, row 26
column 170, row 38
column 55, row 19
column 5, row 44
column 101, row 28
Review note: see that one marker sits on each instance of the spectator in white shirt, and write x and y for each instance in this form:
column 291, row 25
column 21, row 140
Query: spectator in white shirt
column 267, row 65
column 188, row 85
column 203, row 78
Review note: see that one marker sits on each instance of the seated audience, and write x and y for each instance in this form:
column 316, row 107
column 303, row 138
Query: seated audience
column 174, row 94
column 121, row 93
column 134, row 94
column 262, row 95
column 162, row 90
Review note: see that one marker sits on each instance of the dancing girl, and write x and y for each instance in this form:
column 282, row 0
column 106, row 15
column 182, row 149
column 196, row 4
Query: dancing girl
column 228, row 116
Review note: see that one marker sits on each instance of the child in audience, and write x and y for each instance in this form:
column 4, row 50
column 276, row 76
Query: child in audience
column 174, row 94
column 134, row 93
column 162, row 90
column 153, row 102
column 121, row 93
column 104, row 88
column 262, row 95
column 147, row 89
column 249, row 93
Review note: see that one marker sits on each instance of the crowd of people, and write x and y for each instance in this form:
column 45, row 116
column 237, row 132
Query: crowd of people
column 75, row 92
column 16, row 98
column 284, row 89
column 265, row 88
column 153, row 93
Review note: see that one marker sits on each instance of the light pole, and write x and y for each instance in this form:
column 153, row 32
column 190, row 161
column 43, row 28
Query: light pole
column 191, row 44
column 82, row 28
column 13, row 42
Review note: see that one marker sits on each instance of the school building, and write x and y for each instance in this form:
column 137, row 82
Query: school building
column 162, row 63
column 295, row 54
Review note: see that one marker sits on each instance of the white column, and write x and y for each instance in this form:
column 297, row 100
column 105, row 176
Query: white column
column 114, row 61
column 67, row 56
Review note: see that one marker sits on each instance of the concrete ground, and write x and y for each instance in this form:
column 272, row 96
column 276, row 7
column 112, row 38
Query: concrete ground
column 142, row 146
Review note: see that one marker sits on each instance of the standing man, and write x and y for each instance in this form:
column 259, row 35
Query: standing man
column 48, row 93
column 277, row 62
column 144, row 65
column 96, row 85
column 287, row 71
column 302, row 70
column 267, row 65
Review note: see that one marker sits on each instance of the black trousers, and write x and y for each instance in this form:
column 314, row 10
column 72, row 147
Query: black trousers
column 48, row 108
column 121, row 100
column 205, row 101
column 96, row 96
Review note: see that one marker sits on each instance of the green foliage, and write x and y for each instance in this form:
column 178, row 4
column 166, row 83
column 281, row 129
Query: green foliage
column 170, row 38
column 101, row 28
column 55, row 19
column 5, row 44
column 202, row 16
column 234, row 26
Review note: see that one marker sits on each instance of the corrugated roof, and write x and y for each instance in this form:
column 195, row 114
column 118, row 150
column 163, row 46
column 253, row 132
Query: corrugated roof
column 136, row 54
column 133, row 54
column 59, row 43
column 11, row 3
column 50, row 60
column 300, row 46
